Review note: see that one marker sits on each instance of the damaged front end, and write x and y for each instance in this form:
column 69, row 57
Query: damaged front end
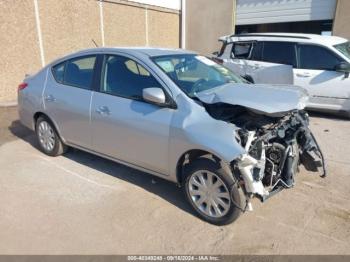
column 275, row 146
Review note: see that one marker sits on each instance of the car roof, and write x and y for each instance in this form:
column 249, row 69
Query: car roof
column 148, row 51
column 135, row 51
column 290, row 37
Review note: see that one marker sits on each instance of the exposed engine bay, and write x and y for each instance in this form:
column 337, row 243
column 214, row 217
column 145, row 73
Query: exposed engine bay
column 275, row 147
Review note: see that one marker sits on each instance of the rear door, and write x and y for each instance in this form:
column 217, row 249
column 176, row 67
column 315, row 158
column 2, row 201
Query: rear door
column 264, row 62
column 328, row 88
column 67, row 98
column 272, row 62
column 124, row 126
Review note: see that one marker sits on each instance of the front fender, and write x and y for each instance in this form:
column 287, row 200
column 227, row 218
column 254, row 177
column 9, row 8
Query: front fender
column 194, row 128
column 216, row 138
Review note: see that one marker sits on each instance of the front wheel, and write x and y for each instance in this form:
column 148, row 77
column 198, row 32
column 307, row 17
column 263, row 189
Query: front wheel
column 212, row 192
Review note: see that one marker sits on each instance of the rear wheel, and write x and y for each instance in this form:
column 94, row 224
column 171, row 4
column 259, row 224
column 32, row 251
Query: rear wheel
column 49, row 141
column 212, row 192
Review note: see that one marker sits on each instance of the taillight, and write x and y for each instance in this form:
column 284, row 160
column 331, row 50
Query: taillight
column 21, row 86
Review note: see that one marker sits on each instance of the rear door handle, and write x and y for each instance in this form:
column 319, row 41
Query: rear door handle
column 304, row 74
column 50, row 98
column 103, row 110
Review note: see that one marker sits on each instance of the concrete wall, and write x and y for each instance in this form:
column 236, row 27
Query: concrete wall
column 69, row 25
column 342, row 19
column 206, row 21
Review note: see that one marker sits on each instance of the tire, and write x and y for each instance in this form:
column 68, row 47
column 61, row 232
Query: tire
column 48, row 139
column 232, row 203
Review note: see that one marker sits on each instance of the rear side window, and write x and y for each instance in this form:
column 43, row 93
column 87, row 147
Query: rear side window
column 279, row 53
column 317, row 58
column 76, row 72
column 79, row 72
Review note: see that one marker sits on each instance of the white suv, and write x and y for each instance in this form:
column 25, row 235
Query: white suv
column 320, row 64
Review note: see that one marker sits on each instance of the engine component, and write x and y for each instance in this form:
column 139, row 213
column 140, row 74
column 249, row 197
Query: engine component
column 273, row 145
column 290, row 165
column 274, row 154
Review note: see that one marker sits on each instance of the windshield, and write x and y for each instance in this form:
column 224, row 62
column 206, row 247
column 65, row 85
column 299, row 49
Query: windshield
column 193, row 73
column 344, row 48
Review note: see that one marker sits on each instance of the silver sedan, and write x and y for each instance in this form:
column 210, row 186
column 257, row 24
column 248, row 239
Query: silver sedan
column 177, row 115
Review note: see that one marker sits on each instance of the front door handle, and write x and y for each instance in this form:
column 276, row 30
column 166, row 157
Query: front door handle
column 50, row 98
column 103, row 110
column 304, row 74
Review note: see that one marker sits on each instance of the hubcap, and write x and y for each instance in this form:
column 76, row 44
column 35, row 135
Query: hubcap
column 209, row 193
column 46, row 136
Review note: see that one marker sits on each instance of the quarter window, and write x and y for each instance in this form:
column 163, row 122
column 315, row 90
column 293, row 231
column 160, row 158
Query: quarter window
column 241, row 50
column 344, row 48
column 279, row 53
column 317, row 58
column 58, row 72
column 124, row 77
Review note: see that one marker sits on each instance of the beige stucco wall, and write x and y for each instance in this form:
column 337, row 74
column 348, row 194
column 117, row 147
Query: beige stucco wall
column 164, row 29
column 342, row 19
column 19, row 49
column 206, row 21
column 68, row 26
column 124, row 25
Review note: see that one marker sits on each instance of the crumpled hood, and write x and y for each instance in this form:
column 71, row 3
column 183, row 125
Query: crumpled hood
column 264, row 99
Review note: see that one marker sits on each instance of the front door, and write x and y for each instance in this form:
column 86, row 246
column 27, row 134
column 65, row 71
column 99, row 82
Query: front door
column 316, row 72
column 124, row 126
column 272, row 62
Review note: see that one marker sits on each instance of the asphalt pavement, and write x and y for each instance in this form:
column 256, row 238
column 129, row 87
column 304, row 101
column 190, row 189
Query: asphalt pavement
column 83, row 204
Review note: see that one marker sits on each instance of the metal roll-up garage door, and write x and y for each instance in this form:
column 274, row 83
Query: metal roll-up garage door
column 281, row 11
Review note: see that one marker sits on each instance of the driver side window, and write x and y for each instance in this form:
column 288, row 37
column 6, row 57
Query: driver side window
column 122, row 76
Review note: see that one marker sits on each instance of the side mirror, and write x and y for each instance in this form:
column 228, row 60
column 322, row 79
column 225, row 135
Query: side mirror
column 343, row 67
column 154, row 95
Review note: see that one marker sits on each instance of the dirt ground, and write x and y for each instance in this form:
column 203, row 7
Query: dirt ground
column 82, row 204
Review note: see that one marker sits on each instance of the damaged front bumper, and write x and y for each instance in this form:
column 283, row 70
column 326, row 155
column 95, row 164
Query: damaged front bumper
column 271, row 160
